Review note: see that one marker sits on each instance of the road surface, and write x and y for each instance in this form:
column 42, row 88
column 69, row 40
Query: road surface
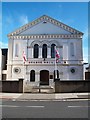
column 45, row 109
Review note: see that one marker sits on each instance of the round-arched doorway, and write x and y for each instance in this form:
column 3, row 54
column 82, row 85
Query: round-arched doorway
column 44, row 77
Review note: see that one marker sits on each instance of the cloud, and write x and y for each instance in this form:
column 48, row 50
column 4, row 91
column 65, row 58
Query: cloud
column 85, row 54
column 23, row 19
column 8, row 21
column 85, row 59
column 85, row 50
column 0, row 21
column 85, row 37
column 3, row 45
column 11, row 21
column 85, row 44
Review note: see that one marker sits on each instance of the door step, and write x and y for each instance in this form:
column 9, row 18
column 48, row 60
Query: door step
column 44, row 89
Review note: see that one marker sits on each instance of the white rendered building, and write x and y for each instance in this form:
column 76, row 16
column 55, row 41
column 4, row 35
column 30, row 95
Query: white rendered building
column 38, row 39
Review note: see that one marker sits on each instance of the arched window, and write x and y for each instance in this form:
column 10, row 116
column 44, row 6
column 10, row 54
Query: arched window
column 44, row 51
column 36, row 50
column 56, row 74
column 53, row 51
column 16, row 50
column 32, row 76
column 72, row 49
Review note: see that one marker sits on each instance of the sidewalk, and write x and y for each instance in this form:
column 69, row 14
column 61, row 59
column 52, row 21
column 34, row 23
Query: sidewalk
column 41, row 96
column 9, row 96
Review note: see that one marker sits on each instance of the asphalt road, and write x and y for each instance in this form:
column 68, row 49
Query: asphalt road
column 45, row 109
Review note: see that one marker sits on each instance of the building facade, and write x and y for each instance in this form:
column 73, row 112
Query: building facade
column 3, row 63
column 38, row 40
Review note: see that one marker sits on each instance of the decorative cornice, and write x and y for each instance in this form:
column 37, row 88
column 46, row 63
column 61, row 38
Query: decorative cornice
column 65, row 36
column 45, row 18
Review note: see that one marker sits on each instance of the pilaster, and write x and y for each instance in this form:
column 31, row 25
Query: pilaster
column 65, row 51
column 49, row 52
column 40, row 52
column 31, row 52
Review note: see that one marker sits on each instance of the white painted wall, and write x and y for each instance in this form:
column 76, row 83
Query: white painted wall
column 64, row 53
column 78, row 75
column 47, row 28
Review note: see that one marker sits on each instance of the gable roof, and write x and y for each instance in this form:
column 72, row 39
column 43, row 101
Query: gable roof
column 45, row 18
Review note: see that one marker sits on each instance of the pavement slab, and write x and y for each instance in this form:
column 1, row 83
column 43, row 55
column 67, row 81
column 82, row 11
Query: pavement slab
column 44, row 96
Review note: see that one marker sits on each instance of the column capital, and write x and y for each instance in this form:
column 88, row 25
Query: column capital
column 48, row 46
column 40, row 46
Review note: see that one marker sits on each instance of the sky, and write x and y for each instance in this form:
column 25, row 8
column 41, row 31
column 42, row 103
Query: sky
column 16, row 14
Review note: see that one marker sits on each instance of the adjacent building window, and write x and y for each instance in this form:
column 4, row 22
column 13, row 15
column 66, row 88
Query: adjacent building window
column 44, row 51
column 53, row 51
column 32, row 76
column 72, row 49
column 16, row 50
column 36, row 50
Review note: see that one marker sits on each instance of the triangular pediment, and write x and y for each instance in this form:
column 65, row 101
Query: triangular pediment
column 45, row 25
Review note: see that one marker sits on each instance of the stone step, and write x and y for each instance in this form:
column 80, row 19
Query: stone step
column 43, row 87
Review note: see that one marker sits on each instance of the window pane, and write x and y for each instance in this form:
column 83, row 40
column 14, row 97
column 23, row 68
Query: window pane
column 36, row 51
column 32, row 76
column 44, row 51
column 53, row 51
